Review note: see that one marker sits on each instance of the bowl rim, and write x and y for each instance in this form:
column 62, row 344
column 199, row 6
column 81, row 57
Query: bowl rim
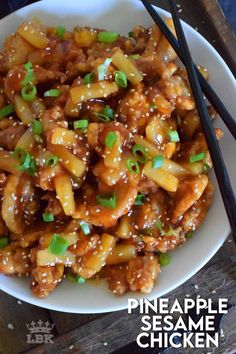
column 70, row 309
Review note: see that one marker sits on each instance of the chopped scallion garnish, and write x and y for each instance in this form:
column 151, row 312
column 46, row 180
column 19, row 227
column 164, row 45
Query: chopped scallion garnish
column 88, row 78
column 153, row 106
column 131, row 34
column 198, row 157
column 6, row 111
column 48, row 217
column 173, row 136
column 29, row 76
column 139, row 199
column 102, row 69
column 134, row 56
column 4, row 241
column 110, row 139
column 85, row 227
column 37, row 127
column 189, row 235
column 52, row 160
column 107, row 201
column 60, row 31
column 80, row 280
column 81, row 124
column 58, row 245
column 157, row 161
column 164, row 259
column 107, row 36
column 140, row 152
column 133, row 166
column 206, row 167
column 52, row 93
column 28, row 65
column 29, row 92
column 106, row 114
column 121, row 79
column 27, row 162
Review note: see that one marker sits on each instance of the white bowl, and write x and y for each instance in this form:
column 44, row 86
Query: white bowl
column 121, row 16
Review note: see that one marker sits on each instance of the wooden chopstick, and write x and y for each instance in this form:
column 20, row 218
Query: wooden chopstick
column 213, row 146
column 208, row 90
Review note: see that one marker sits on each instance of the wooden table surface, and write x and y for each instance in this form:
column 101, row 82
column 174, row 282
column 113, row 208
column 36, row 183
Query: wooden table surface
column 101, row 334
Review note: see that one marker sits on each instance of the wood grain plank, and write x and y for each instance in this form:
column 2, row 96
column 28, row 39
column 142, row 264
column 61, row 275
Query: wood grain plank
column 67, row 321
column 222, row 30
column 15, row 315
column 116, row 330
column 207, row 18
column 105, row 333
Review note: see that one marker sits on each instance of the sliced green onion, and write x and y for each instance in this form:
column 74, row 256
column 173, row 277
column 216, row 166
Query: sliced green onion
column 139, row 199
column 29, row 92
column 206, row 167
column 85, row 227
column 106, row 114
column 75, row 278
column 134, row 56
column 148, row 231
column 79, row 280
column 109, row 112
column 52, row 160
column 160, row 227
column 48, row 217
column 81, row 124
column 140, row 152
column 164, row 259
column 52, row 93
column 5, row 111
column 189, row 235
column 133, row 166
column 107, row 201
column 38, row 138
column 102, row 69
column 110, row 139
column 131, row 34
column 71, row 277
column 107, row 37
column 60, row 31
column 27, row 163
column 121, row 79
column 173, row 136
column 170, row 232
column 37, row 127
column 29, row 78
column 153, row 106
column 88, row 78
column 198, row 157
column 58, row 245
column 157, row 161
column 28, row 65
column 4, row 241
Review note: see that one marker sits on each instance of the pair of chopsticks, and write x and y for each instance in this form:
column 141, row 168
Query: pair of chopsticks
column 208, row 90
column 196, row 80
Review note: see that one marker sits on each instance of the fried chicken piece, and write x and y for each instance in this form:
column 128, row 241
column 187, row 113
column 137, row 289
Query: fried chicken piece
column 189, row 191
column 14, row 260
column 195, row 215
column 116, row 279
column 45, row 279
column 134, row 109
column 10, row 136
column 142, row 273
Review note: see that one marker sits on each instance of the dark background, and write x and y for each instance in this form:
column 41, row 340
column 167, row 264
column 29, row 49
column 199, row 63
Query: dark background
column 228, row 6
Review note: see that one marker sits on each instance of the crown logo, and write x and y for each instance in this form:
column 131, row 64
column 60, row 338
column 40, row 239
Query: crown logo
column 40, row 327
